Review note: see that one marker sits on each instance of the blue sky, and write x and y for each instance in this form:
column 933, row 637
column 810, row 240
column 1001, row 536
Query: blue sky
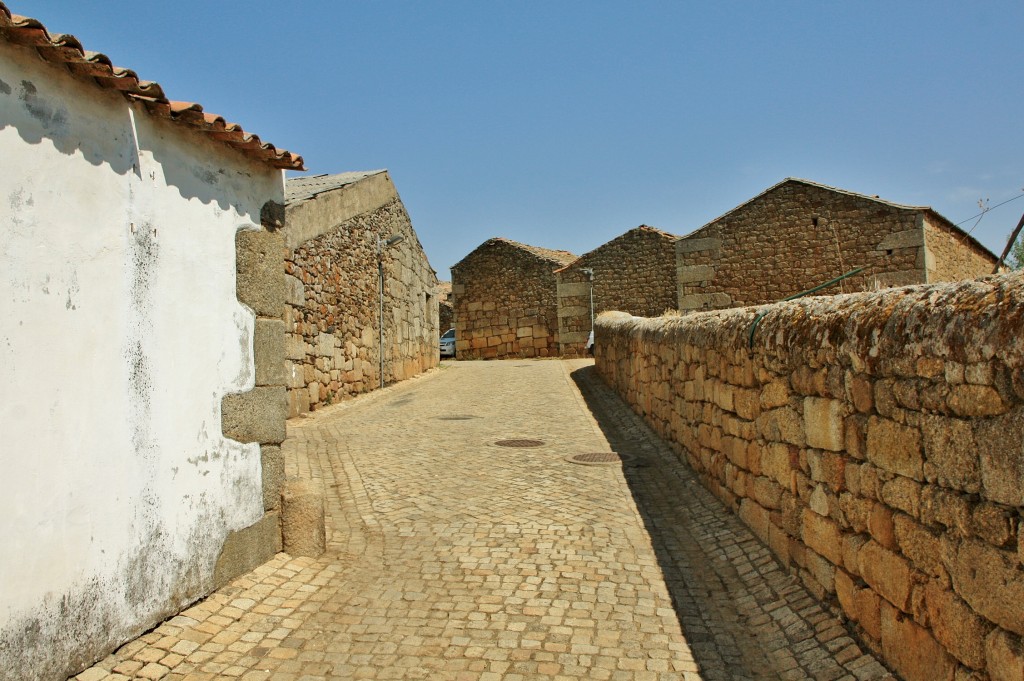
column 564, row 124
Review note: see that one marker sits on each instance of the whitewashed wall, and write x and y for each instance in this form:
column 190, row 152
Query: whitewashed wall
column 120, row 332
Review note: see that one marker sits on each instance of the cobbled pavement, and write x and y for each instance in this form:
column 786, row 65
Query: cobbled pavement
column 452, row 558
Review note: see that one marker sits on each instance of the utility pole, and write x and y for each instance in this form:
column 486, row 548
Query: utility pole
column 1009, row 245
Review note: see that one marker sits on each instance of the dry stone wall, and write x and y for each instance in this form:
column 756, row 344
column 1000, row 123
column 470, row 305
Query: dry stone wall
column 634, row 273
column 505, row 301
column 873, row 441
column 333, row 311
column 798, row 235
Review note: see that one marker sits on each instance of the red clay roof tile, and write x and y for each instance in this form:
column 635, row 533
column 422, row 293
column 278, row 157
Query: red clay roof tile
column 96, row 67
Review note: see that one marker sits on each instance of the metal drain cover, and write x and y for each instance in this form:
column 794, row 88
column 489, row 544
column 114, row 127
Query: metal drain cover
column 598, row 459
column 456, row 417
column 519, row 443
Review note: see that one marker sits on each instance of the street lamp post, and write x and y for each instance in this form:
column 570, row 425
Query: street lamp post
column 590, row 277
column 381, row 245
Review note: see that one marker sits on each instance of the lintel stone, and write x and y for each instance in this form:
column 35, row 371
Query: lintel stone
column 908, row 238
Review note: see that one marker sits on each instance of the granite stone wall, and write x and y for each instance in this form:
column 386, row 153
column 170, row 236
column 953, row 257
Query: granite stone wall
column 797, row 235
column 634, row 273
column 445, row 310
column 955, row 255
column 874, row 441
column 505, row 301
column 333, row 312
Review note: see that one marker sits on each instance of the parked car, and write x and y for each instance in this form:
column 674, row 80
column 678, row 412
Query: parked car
column 448, row 343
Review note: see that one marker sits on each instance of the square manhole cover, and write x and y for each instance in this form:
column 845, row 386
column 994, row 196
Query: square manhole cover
column 519, row 443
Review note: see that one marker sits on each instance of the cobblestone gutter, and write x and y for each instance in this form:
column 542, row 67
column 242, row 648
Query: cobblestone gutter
column 873, row 441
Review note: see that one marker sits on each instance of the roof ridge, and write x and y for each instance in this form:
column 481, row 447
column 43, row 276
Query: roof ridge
column 639, row 228
column 551, row 255
column 305, row 187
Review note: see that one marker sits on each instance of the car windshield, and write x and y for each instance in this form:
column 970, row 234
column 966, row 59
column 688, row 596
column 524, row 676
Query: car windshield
column 449, row 335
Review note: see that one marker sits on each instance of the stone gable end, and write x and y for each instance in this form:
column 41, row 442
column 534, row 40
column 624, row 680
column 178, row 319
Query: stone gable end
column 505, row 302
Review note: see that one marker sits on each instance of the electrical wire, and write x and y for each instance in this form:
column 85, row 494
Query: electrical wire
column 991, row 208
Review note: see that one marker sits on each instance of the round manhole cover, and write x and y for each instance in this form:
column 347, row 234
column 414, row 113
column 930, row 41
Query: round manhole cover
column 598, row 458
column 455, row 417
column 519, row 443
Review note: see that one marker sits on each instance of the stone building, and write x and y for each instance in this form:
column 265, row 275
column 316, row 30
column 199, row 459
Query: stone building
column 798, row 234
column 143, row 393
column 445, row 311
column 337, row 226
column 634, row 273
column 506, row 301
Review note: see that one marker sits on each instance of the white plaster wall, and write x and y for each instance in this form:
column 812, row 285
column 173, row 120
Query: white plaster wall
column 120, row 332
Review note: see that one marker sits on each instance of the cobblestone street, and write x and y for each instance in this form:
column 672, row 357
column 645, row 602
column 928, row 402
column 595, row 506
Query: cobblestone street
column 451, row 557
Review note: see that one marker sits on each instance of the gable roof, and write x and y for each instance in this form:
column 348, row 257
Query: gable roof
column 642, row 229
column 557, row 258
column 96, row 68
column 303, row 188
column 900, row 206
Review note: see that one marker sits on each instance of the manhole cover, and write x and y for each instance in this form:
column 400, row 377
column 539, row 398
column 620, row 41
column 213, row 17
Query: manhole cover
column 455, row 417
column 519, row 443
column 598, row 459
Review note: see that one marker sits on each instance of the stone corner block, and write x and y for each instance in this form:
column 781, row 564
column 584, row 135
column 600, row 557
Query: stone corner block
column 272, row 460
column 255, row 416
column 303, row 526
column 260, row 269
column 686, row 274
column 269, row 351
column 295, row 291
column 572, row 289
column 248, row 548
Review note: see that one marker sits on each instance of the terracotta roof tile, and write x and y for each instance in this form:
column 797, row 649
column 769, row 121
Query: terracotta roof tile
column 85, row 65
